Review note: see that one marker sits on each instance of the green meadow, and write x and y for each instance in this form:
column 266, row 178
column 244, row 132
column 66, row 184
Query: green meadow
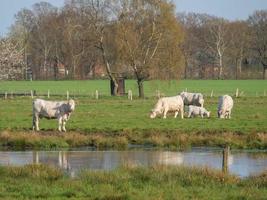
column 117, row 121
column 128, row 182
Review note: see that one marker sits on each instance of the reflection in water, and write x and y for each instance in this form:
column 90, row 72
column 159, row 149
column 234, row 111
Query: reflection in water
column 241, row 164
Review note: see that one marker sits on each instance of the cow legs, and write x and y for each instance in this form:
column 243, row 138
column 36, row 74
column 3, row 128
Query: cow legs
column 63, row 125
column 175, row 114
column 35, row 122
column 60, row 121
column 182, row 112
column 165, row 113
column 229, row 114
column 189, row 114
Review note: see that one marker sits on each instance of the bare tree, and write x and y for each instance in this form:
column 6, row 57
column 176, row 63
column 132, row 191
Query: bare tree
column 239, row 44
column 258, row 30
column 216, row 41
column 98, row 14
column 150, row 36
column 21, row 31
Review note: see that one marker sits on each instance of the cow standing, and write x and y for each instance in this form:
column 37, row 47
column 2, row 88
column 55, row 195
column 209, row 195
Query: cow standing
column 225, row 106
column 60, row 110
column 195, row 99
column 166, row 104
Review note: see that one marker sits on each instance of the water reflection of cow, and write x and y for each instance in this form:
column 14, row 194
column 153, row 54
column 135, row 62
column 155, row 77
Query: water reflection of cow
column 62, row 160
column 171, row 158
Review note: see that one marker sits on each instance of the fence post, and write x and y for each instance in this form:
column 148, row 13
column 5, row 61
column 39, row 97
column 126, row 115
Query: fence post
column 5, row 95
column 225, row 164
column 48, row 94
column 236, row 92
column 130, row 95
column 31, row 94
column 96, row 94
column 68, row 95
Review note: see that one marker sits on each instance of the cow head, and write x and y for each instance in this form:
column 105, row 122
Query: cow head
column 153, row 114
column 221, row 114
column 71, row 105
column 208, row 114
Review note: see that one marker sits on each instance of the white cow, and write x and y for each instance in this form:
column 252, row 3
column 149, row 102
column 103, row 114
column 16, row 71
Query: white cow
column 225, row 106
column 192, row 99
column 166, row 104
column 196, row 110
column 60, row 110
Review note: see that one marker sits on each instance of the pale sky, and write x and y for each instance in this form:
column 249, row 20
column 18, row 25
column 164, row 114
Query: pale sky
column 229, row 9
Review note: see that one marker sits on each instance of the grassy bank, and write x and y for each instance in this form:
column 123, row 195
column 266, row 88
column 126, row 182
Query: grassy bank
column 115, row 122
column 160, row 182
column 121, row 140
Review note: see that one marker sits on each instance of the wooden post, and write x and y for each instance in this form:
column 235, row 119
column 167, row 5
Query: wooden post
column 5, row 95
column 48, row 94
column 68, row 95
column 31, row 94
column 211, row 94
column 158, row 94
column 96, row 94
column 35, row 157
column 236, row 92
column 225, row 164
column 130, row 95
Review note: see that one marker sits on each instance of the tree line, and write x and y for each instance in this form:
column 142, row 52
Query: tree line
column 214, row 47
column 138, row 39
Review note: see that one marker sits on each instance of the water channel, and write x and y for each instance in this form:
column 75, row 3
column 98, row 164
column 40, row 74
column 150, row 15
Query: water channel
column 240, row 163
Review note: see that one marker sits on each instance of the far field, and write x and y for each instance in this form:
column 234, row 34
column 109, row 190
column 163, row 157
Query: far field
column 129, row 122
column 248, row 87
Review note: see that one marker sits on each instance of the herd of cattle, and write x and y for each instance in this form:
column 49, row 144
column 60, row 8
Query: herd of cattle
column 61, row 110
column 195, row 101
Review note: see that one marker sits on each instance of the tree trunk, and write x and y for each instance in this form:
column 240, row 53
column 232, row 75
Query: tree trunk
column 239, row 68
column 141, row 88
column 111, row 76
column 114, row 92
column 236, row 69
column 185, row 69
column 265, row 72
column 220, row 68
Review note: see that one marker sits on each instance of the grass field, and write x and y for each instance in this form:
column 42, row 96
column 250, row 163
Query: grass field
column 159, row 182
column 110, row 120
column 172, row 87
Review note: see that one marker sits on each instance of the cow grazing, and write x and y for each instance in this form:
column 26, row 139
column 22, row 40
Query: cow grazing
column 60, row 110
column 196, row 110
column 225, row 106
column 195, row 99
column 166, row 104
